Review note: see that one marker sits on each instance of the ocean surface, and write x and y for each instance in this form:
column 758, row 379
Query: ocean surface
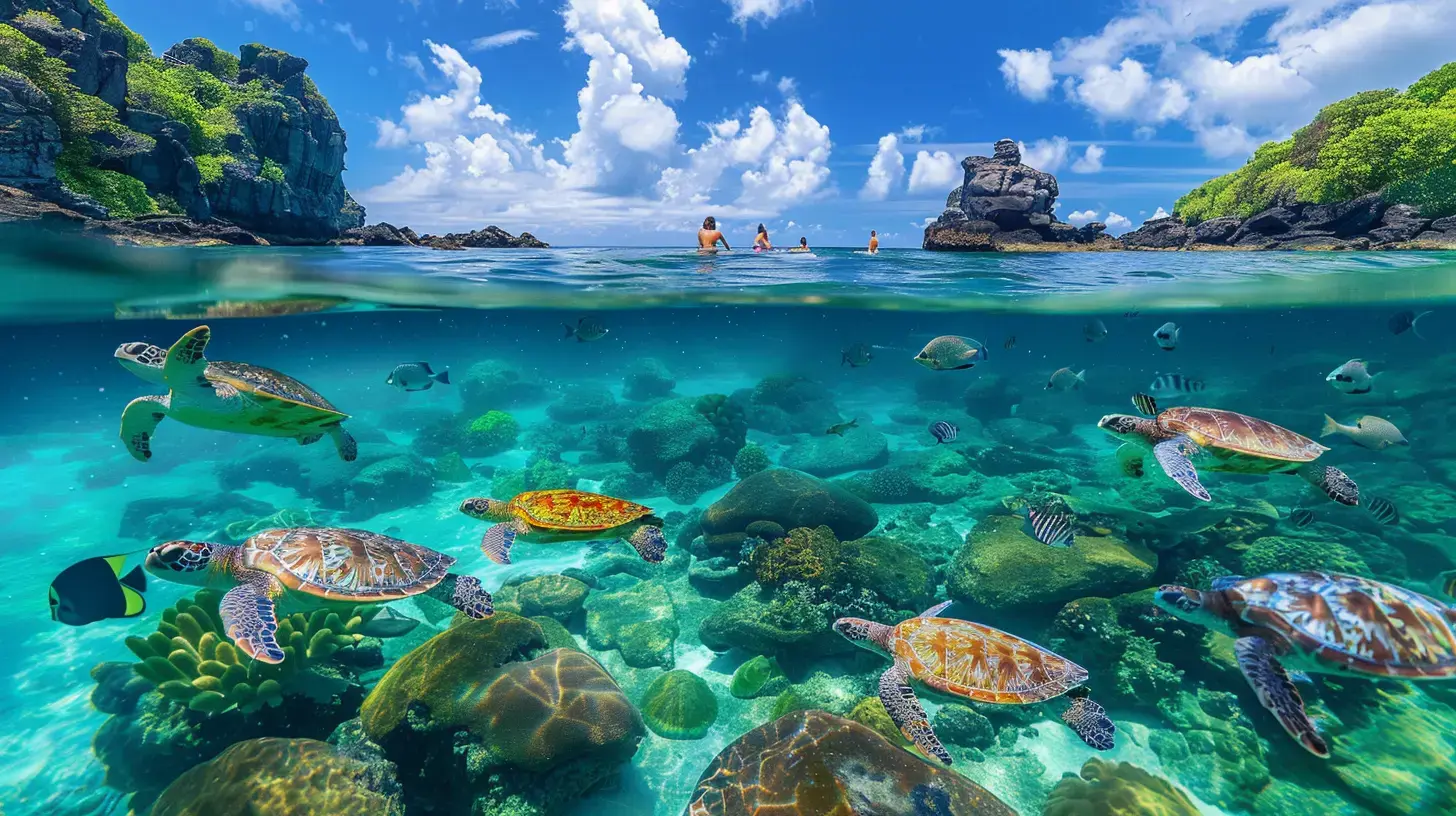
column 633, row 415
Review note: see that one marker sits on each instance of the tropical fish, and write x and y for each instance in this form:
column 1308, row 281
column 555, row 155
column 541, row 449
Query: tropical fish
column 1065, row 379
column 586, row 330
column 1353, row 377
column 389, row 624
column 1010, row 343
column 1368, row 432
column 100, row 588
column 1095, row 331
column 416, row 377
column 944, row 432
column 951, row 353
column 1167, row 336
column 1402, row 322
column 1301, row 517
column 1382, row 511
column 1173, row 386
column 1051, row 527
column 1132, row 315
column 1448, row 583
column 838, row 430
column 1145, row 404
column 856, row 355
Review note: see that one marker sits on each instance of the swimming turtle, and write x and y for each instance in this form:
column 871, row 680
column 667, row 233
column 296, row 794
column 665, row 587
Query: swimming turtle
column 565, row 515
column 223, row 396
column 972, row 661
column 1237, row 444
column 1320, row 622
column 308, row 568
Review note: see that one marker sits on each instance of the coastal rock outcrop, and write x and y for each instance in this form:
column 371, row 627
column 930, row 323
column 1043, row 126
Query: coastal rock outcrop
column 29, row 137
column 491, row 237
column 1367, row 222
column 1002, row 203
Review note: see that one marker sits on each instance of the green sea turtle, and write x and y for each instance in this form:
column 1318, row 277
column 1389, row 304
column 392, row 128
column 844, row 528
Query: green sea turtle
column 565, row 515
column 1320, row 622
column 959, row 658
column 223, row 396
column 1236, row 444
column 308, row 568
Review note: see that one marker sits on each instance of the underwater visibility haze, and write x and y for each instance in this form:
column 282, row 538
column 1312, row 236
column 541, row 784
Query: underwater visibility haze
column 339, row 588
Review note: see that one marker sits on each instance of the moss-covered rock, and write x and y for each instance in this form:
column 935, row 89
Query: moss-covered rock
column 789, row 499
column 1218, row 757
column 1001, row 567
column 758, row 676
column 1285, row 554
column 1395, row 751
column 829, row 455
column 452, row 468
column 871, row 713
column 680, row 706
column 640, row 622
column 749, row 460
column 490, row 433
column 281, row 777
column 668, row 433
column 1107, row 788
column 399, row 481
column 964, row 726
column 491, row 385
column 755, row 620
column 555, row 596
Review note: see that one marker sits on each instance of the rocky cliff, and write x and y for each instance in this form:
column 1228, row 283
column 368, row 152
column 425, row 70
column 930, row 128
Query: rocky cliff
column 1004, row 204
column 90, row 120
column 1367, row 222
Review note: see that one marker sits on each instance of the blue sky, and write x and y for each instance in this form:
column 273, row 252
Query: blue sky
column 626, row 121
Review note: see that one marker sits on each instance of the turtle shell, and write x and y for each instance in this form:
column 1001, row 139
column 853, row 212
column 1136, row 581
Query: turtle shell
column 980, row 663
column 338, row 564
column 269, row 383
column 1239, row 433
column 576, row 510
column 1351, row 622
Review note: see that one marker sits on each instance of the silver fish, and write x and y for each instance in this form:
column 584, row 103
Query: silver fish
column 1353, row 377
column 1368, row 432
column 1167, row 336
column 944, row 432
column 1065, row 379
column 416, row 377
column 951, row 353
column 389, row 624
column 587, row 330
column 856, row 355
column 1095, row 331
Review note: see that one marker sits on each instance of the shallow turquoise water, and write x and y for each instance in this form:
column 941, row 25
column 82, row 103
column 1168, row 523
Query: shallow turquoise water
column 1261, row 330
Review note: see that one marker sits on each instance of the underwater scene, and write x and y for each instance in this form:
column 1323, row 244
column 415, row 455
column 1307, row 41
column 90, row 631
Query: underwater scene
column 644, row 533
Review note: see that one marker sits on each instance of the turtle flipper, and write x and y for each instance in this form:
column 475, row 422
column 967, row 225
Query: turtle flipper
column 647, row 540
column 310, row 439
column 1174, row 457
column 139, row 422
column 1091, row 723
column 348, row 448
column 934, row 611
column 1333, row 482
column 250, row 618
column 906, row 711
column 185, row 362
column 1130, row 460
column 465, row 593
column 497, row 541
column 1277, row 693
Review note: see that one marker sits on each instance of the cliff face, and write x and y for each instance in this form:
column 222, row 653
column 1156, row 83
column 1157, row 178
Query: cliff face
column 91, row 120
column 1001, row 203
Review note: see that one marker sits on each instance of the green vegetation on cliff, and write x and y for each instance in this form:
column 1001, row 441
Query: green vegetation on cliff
column 1402, row 145
column 136, row 46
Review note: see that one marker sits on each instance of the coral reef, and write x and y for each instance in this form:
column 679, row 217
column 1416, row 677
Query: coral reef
column 647, row 379
column 493, row 385
column 400, row 481
column 451, row 467
column 583, row 402
column 490, row 433
column 829, row 455
column 679, row 705
column 668, row 433
column 1108, row 788
column 871, row 713
column 553, row 596
column 1284, row 554
column 749, row 460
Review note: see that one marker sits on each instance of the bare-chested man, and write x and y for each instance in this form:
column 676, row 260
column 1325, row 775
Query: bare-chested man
column 709, row 236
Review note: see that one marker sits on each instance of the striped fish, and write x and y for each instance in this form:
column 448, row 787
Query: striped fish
column 1145, row 404
column 1301, row 517
column 1382, row 511
column 1050, row 527
column 1175, row 385
column 944, row 432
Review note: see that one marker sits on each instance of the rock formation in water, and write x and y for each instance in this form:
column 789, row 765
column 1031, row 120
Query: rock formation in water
column 1367, row 222
column 1003, row 204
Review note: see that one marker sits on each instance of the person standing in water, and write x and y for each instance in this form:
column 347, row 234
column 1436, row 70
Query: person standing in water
column 874, row 243
column 709, row 236
column 760, row 241
column 803, row 245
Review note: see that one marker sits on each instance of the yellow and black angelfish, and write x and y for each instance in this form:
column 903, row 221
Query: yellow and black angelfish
column 100, row 588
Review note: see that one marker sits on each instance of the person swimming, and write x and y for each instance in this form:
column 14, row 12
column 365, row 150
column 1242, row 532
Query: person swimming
column 802, row 247
column 874, row 243
column 710, row 235
column 760, row 241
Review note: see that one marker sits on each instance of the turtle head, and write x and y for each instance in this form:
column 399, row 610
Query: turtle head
column 142, row 359
column 865, row 634
column 1122, row 425
column 486, row 509
column 1186, row 603
column 184, row 562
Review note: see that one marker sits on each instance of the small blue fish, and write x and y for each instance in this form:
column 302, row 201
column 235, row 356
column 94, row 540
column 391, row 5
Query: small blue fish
column 944, row 432
column 416, row 377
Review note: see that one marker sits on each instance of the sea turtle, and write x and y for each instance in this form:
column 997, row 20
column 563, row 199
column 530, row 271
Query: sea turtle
column 972, row 661
column 223, row 396
column 1320, row 622
column 1236, row 443
column 565, row 515
column 307, row 568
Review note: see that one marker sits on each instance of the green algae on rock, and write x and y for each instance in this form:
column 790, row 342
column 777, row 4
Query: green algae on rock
column 680, row 706
column 555, row 596
column 490, row 433
column 749, row 460
column 1108, row 788
column 758, row 676
column 871, row 713
column 640, row 622
column 811, row 763
column 789, row 499
column 281, row 777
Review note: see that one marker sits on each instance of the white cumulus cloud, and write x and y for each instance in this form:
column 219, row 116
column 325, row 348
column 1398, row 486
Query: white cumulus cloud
column 1046, row 155
column 765, row 11
column 1083, row 218
column 934, row 172
column 1117, row 224
column 287, row 9
column 1029, row 72
column 1090, row 160
column 887, row 168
